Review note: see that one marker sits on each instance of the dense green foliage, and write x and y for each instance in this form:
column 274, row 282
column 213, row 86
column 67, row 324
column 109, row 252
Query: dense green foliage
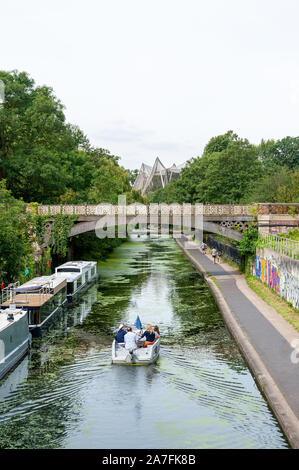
column 16, row 237
column 291, row 235
column 280, row 185
column 284, row 152
column 21, row 233
column 45, row 159
column 248, row 243
column 231, row 170
column 59, row 234
column 89, row 247
column 133, row 175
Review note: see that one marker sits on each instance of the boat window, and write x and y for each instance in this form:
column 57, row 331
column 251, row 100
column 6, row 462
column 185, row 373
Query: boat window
column 33, row 316
column 68, row 270
column 79, row 282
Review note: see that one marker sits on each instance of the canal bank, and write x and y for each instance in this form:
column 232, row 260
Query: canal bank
column 261, row 334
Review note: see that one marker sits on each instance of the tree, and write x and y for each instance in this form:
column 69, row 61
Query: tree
column 15, row 236
column 220, row 142
column 219, row 177
column 224, row 174
column 36, row 144
column 165, row 195
column 45, row 159
column 279, row 186
column 228, row 175
column 132, row 176
column 109, row 181
column 275, row 154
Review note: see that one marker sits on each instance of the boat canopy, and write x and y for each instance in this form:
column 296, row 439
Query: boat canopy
column 29, row 288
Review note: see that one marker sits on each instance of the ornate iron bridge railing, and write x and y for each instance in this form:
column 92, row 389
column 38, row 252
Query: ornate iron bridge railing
column 140, row 209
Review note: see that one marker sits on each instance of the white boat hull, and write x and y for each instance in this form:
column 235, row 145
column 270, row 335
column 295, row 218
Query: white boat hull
column 141, row 356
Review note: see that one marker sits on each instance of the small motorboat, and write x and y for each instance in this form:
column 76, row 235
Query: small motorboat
column 141, row 356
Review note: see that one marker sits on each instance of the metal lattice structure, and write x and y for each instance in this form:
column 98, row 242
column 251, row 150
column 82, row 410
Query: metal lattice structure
column 150, row 179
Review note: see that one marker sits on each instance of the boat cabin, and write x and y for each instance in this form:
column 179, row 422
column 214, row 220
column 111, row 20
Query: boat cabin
column 14, row 337
column 40, row 297
column 78, row 274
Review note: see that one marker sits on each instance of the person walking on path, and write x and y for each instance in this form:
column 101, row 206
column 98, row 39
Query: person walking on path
column 219, row 255
column 214, row 254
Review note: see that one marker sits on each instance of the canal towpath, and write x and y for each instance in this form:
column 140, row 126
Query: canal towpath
column 263, row 336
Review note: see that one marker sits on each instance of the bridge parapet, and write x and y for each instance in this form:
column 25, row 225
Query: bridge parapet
column 227, row 209
column 277, row 218
column 229, row 220
column 278, row 209
column 140, row 209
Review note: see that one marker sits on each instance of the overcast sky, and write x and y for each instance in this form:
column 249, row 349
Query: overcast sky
column 147, row 78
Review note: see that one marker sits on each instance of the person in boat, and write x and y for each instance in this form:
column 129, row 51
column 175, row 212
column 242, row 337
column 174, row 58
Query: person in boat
column 149, row 335
column 119, row 337
column 157, row 332
column 131, row 339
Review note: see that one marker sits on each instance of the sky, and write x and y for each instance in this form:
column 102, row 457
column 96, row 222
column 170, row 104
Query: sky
column 148, row 78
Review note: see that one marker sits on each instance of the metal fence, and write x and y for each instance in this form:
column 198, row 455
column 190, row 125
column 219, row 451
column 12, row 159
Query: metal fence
column 281, row 245
column 229, row 251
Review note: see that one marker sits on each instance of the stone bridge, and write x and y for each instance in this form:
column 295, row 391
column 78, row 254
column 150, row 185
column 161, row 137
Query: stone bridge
column 228, row 220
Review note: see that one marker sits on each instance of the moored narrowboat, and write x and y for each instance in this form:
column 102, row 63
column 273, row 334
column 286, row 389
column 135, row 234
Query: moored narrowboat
column 78, row 275
column 41, row 297
column 15, row 338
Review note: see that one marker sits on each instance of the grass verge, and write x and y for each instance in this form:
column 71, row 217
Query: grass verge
column 215, row 281
column 282, row 307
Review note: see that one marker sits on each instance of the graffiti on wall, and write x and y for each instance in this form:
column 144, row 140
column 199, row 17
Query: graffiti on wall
column 278, row 275
column 290, row 289
column 267, row 273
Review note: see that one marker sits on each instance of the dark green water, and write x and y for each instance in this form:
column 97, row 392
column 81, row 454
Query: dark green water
column 200, row 393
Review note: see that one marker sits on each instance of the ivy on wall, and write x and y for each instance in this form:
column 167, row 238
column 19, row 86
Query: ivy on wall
column 60, row 230
column 39, row 227
column 248, row 243
column 58, row 243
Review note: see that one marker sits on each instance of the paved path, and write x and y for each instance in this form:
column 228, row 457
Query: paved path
column 270, row 337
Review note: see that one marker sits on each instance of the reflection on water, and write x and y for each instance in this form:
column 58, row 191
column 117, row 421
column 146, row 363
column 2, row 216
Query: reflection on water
column 199, row 394
column 18, row 375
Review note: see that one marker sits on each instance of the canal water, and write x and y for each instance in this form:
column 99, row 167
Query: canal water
column 199, row 394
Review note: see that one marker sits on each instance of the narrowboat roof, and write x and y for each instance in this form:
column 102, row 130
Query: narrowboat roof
column 77, row 264
column 53, row 281
column 17, row 312
column 68, row 276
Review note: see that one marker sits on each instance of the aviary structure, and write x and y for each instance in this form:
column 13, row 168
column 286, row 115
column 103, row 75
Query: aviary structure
column 152, row 178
